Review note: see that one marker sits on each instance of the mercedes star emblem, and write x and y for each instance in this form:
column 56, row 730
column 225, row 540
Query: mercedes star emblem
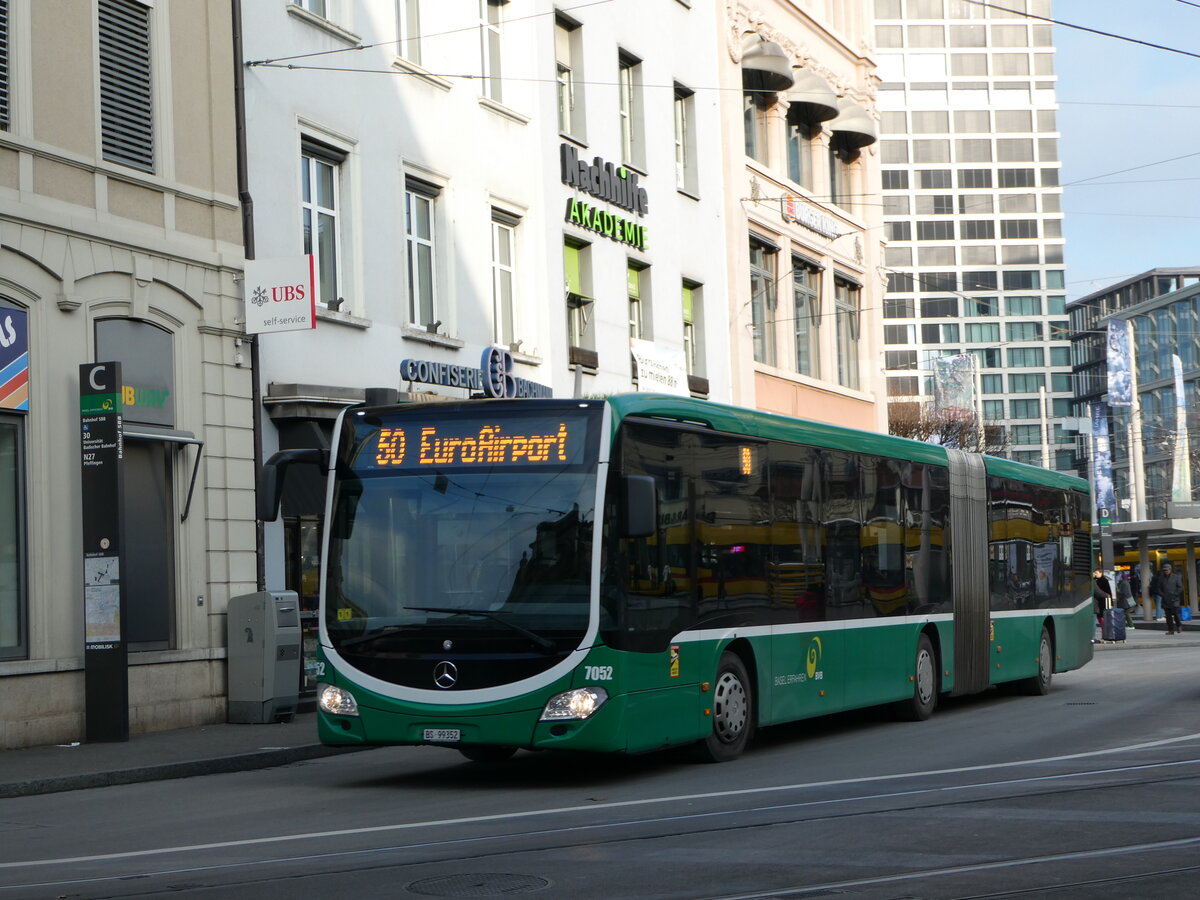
column 445, row 674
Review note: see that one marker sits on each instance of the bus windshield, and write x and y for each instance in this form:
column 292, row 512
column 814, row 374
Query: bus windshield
column 462, row 532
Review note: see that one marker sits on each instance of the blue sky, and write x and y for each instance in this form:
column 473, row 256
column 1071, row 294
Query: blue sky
column 1120, row 106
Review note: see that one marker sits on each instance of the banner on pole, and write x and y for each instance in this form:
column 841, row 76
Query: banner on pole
column 1120, row 373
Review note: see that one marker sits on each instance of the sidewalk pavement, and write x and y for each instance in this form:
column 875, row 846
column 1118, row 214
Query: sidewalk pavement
column 219, row 748
column 181, row 753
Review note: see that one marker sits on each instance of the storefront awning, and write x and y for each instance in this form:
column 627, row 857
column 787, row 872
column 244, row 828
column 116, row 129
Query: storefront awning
column 810, row 98
column 765, row 66
column 854, row 128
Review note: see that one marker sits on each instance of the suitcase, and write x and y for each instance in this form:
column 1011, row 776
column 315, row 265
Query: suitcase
column 1113, row 625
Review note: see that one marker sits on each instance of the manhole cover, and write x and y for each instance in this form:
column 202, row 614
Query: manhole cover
column 480, row 884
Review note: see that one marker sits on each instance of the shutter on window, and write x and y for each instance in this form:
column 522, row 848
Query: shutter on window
column 4, row 65
column 126, row 109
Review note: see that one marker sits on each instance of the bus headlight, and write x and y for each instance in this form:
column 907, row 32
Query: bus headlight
column 580, row 703
column 335, row 701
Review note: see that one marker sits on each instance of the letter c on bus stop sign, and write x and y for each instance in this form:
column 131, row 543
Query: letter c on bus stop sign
column 92, row 378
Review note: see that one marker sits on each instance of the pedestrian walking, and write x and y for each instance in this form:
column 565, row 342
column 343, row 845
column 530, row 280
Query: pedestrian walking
column 1156, row 594
column 1171, row 584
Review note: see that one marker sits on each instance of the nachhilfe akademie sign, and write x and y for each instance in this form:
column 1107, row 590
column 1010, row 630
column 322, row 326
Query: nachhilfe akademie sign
column 613, row 184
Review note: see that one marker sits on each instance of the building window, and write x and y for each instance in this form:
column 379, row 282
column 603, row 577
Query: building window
column 983, row 332
column 1061, row 356
column 1027, row 434
column 933, row 179
column 1024, row 409
column 993, row 410
column 1010, row 178
column 637, row 279
column 577, row 274
column 978, row 229
column 4, row 96
column 981, row 306
column 895, row 180
column 898, row 231
column 935, row 230
column 629, row 84
column 985, row 357
column 504, row 251
column 847, row 295
column 899, row 307
column 840, row 172
column 420, row 244
column 806, row 296
column 320, row 186
column 938, row 282
column 1022, row 281
column 126, row 102
column 754, row 123
column 991, row 384
column 1019, row 229
column 799, row 146
column 898, row 360
column 762, row 300
column 900, row 334
column 692, row 328
column 316, row 7
column 939, row 308
column 1024, row 331
column 489, row 48
column 13, row 592
column 899, row 283
column 685, row 140
column 408, row 28
column 568, row 55
column 1025, row 384
column 1026, row 358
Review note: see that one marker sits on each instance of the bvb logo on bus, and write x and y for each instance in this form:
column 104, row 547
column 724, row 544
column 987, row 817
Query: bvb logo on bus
column 814, row 658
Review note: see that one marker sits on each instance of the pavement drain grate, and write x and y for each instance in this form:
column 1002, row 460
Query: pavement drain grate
column 478, row 884
column 1081, row 703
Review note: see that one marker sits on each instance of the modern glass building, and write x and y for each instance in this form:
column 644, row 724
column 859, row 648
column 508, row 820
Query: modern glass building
column 1164, row 307
column 973, row 215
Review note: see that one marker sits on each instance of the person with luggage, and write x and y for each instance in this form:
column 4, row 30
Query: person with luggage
column 1125, row 599
column 1171, row 585
column 1102, row 595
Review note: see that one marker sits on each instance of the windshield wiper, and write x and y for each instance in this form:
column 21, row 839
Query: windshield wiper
column 545, row 643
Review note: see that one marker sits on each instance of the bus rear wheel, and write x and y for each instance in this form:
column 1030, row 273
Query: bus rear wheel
column 1039, row 684
column 487, row 753
column 732, row 712
column 921, row 704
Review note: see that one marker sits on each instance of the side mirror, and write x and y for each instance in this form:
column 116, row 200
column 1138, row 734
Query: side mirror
column 639, row 506
column 274, row 472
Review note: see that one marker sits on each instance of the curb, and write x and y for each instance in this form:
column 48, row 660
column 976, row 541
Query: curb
column 244, row 762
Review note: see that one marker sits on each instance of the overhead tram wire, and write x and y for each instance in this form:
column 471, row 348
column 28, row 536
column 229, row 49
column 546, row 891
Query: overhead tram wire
column 1096, row 31
column 419, row 37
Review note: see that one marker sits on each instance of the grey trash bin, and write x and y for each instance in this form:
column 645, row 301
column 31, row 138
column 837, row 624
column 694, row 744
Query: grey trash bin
column 263, row 657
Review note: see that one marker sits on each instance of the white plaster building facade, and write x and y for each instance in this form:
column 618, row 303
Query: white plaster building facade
column 459, row 196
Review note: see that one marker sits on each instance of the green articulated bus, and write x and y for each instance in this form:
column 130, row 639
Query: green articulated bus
column 646, row 571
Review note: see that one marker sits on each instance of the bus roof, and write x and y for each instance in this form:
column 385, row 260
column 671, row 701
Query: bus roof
column 755, row 423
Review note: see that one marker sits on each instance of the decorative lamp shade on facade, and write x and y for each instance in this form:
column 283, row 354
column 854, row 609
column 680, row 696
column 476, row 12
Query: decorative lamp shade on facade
column 765, row 66
column 853, row 128
column 811, row 99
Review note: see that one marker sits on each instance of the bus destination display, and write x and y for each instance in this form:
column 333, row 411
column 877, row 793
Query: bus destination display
column 458, row 444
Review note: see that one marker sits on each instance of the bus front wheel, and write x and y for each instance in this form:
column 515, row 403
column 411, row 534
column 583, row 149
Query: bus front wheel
column 920, row 705
column 732, row 712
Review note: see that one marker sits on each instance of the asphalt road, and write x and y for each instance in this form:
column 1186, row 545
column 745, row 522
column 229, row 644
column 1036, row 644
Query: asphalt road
column 1084, row 793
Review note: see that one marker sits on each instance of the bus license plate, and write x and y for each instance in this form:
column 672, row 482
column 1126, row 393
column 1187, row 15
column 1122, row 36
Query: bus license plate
column 443, row 735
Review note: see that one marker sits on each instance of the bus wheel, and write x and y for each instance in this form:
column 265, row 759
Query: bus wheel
column 1039, row 684
column 732, row 712
column 920, row 706
column 487, row 753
